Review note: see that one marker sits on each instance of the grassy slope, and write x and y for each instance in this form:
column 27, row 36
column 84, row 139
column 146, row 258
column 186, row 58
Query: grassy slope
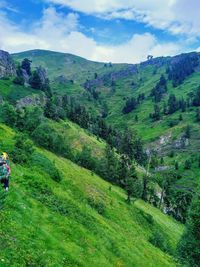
column 144, row 81
column 12, row 92
column 44, row 223
column 71, row 66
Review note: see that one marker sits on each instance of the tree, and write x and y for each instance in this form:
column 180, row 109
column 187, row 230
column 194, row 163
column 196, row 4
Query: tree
column 160, row 88
column 130, row 105
column 110, row 165
column 33, row 116
column 198, row 115
column 85, row 158
column 176, row 165
column 23, row 149
column 173, row 104
column 35, row 81
column 189, row 245
column 50, row 110
column 196, row 98
column 188, row 131
column 8, row 114
column 133, row 185
column 19, row 79
column 188, row 164
column 26, row 65
column 156, row 115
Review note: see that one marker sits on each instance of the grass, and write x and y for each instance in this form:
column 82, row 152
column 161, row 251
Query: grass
column 78, row 221
column 12, row 92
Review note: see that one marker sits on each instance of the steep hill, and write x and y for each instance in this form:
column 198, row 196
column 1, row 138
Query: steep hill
column 158, row 98
column 69, row 66
column 81, row 215
column 115, row 85
column 77, row 221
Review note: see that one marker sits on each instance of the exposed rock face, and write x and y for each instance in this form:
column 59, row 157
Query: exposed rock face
column 181, row 142
column 109, row 77
column 42, row 74
column 7, row 66
column 165, row 144
column 26, row 77
column 61, row 79
column 35, row 100
column 162, row 168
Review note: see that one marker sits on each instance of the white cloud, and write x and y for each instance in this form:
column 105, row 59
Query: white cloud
column 176, row 16
column 59, row 32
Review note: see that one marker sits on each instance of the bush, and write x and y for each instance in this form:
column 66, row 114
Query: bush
column 188, row 164
column 23, row 149
column 46, row 136
column 47, row 166
column 19, row 80
column 159, row 240
column 173, row 123
column 98, row 205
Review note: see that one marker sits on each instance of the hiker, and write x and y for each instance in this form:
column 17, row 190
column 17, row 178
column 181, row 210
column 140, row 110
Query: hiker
column 5, row 157
column 4, row 174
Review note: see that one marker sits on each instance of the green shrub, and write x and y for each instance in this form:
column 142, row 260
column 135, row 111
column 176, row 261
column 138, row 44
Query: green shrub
column 159, row 240
column 46, row 136
column 98, row 205
column 23, row 149
column 47, row 166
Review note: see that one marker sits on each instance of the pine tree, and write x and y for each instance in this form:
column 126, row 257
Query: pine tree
column 189, row 245
column 198, row 115
column 110, row 165
column 26, row 65
column 133, row 185
column 35, row 81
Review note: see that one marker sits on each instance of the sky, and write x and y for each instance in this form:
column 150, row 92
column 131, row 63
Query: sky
column 118, row 31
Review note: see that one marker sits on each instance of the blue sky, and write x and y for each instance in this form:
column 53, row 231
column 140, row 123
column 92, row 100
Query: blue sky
column 101, row 30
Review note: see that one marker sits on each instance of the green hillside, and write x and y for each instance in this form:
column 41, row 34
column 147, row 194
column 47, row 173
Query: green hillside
column 137, row 126
column 78, row 221
column 71, row 66
column 112, row 98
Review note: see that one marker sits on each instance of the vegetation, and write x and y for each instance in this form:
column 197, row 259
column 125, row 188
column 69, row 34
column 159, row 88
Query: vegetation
column 139, row 130
column 66, row 220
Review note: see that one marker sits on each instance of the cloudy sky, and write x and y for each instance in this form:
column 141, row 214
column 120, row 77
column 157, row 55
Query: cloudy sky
column 101, row 30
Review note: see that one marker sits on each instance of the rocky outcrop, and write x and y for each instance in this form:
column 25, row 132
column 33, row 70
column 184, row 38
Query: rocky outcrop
column 34, row 100
column 42, row 74
column 61, row 79
column 7, row 66
column 180, row 142
column 165, row 144
column 26, row 77
column 108, row 78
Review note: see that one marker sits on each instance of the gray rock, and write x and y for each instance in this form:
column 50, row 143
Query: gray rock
column 181, row 142
column 61, row 79
column 7, row 66
column 26, row 77
column 34, row 100
column 107, row 78
column 42, row 74
column 162, row 168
